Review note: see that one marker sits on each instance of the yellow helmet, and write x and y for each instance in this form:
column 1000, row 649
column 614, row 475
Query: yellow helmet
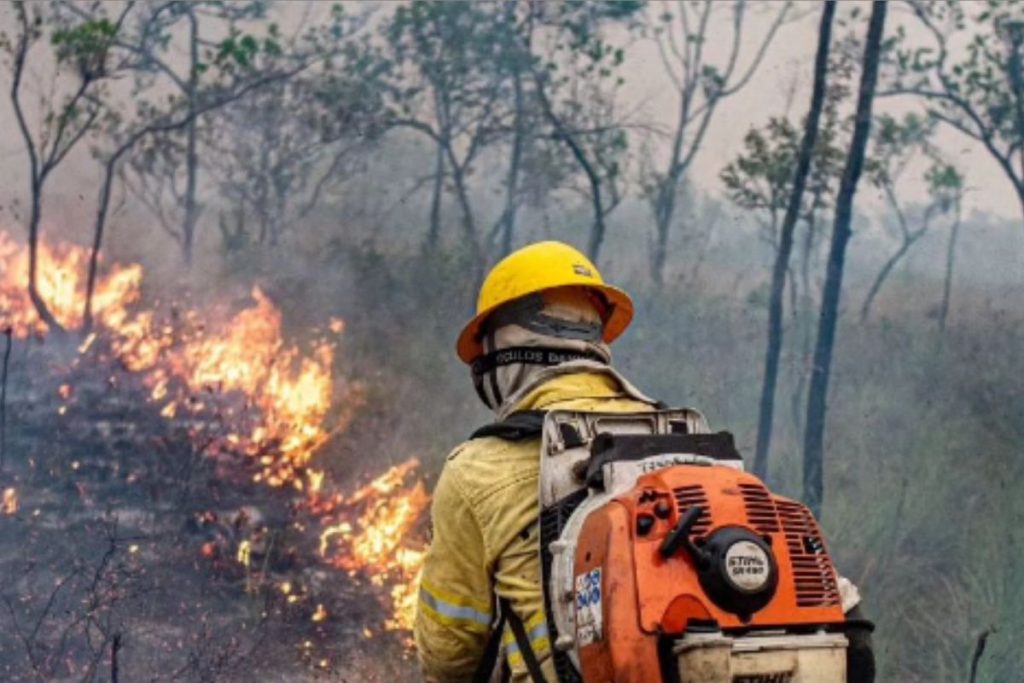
column 536, row 268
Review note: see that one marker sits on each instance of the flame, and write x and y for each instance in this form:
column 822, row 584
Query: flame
column 284, row 396
column 244, row 554
column 255, row 395
column 9, row 502
column 60, row 281
column 378, row 542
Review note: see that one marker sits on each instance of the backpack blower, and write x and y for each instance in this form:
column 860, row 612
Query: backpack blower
column 663, row 561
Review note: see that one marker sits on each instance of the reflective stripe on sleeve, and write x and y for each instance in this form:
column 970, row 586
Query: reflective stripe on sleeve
column 454, row 611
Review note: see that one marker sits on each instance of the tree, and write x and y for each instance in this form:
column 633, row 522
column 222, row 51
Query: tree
column 760, row 180
column 775, row 168
column 478, row 83
column 151, row 43
column 524, row 117
column 234, row 67
column 701, row 87
column 218, row 51
column 817, row 395
column 575, row 80
column 277, row 151
column 66, row 119
column 100, row 49
column 980, row 93
column 124, row 143
column 273, row 161
column 896, row 144
column 275, row 154
column 598, row 155
column 952, row 183
column 447, row 83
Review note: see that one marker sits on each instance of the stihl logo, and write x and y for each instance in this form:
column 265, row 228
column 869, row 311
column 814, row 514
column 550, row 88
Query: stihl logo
column 780, row 677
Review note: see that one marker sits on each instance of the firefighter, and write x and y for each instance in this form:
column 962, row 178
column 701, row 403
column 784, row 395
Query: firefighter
column 539, row 342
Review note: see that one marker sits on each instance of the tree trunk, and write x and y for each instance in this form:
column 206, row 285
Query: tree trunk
column 97, row 240
column 33, row 262
column 191, row 208
column 466, row 207
column 8, row 334
column 191, row 158
column 115, row 648
column 662, row 219
column 947, row 283
column 1016, row 70
column 434, row 232
column 883, row 274
column 1020, row 194
column 664, row 210
column 508, row 216
column 665, row 202
column 816, row 400
column 597, row 229
column 803, row 167
column 909, row 237
column 102, row 208
column 806, row 311
column 38, row 170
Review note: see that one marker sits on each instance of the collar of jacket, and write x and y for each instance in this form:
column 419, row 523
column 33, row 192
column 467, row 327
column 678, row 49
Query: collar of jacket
column 574, row 379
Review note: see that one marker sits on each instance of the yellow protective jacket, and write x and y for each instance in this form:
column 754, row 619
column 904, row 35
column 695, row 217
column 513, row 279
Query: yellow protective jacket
column 485, row 539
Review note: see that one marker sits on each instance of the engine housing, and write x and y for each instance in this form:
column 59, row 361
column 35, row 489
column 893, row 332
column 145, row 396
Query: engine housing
column 752, row 563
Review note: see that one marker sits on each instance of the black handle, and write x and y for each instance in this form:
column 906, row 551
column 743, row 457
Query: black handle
column 680, row 537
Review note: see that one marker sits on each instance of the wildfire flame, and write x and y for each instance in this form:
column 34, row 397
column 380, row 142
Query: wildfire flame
column 61, row 283
column 273, row 401
column 285, row 396
column 9, row 502
column 379, row 539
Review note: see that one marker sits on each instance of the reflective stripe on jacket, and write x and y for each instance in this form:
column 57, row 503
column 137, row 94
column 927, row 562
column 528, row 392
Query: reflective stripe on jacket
column 485, row 537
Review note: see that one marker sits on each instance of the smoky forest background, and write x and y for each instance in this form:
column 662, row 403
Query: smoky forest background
column 237, row 240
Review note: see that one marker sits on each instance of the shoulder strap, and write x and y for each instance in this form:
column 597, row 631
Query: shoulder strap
column 485, row 668
column 520, row 426
column 523, row 641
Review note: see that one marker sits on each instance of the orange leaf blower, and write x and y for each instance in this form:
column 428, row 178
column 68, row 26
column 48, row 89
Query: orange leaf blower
column 664, row 561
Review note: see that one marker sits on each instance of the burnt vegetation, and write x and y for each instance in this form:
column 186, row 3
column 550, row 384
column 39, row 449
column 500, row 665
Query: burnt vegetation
column 238, row 239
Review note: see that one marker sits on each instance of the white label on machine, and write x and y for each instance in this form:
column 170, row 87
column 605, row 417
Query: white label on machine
column 589, row 623
column 620, row 475
column 747, row 566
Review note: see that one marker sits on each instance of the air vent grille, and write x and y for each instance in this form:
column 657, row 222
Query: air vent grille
column 686, row 498
column 760, row 508
column 813, row 574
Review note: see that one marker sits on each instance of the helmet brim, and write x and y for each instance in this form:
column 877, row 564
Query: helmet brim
column 620, row 313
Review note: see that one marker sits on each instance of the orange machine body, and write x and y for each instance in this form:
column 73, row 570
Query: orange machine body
column 646, row 596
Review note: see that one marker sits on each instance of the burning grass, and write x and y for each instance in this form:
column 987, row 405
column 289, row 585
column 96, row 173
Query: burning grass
column 9, row 501
column 250, row 400
column 61, row 284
